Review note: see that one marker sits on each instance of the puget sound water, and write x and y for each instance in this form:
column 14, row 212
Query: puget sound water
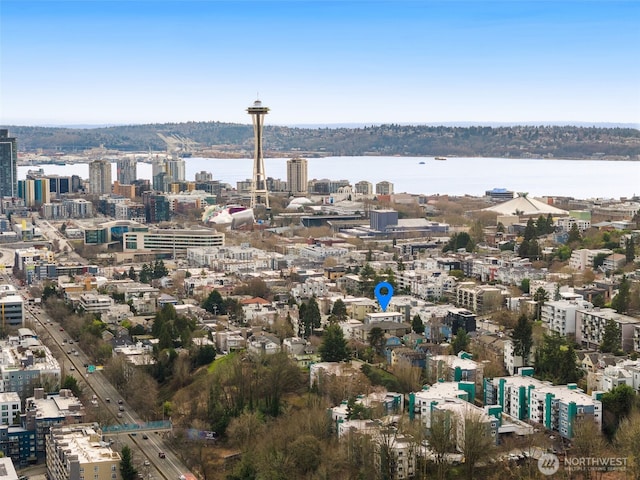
column 454, row 176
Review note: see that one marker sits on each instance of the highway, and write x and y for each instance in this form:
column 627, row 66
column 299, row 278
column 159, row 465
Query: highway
column 146, row 450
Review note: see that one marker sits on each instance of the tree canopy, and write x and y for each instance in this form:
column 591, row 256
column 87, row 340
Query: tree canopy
column 334, row 346
column 523, row 338
column 555, row 360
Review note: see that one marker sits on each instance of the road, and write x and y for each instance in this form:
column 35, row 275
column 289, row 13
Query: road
column 169, row 467
column 52, row 233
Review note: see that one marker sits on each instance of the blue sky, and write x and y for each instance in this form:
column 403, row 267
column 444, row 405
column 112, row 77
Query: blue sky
column 319, row 62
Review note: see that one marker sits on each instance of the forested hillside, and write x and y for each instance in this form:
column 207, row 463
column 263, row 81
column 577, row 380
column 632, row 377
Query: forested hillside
column 516, row 142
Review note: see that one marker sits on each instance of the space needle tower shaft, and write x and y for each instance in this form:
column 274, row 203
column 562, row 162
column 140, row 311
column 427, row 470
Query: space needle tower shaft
column 259, row 192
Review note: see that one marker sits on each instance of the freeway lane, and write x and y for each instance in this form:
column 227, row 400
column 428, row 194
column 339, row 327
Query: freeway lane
column 169, row 467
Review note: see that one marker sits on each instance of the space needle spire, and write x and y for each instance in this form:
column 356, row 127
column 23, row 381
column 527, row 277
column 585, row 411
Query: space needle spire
column 259, row 192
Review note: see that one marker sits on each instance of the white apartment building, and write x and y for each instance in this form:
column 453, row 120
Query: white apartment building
column 455, row 368
column 582, row 259
column 25, row 364
column 170, row 240
column 478, row 298
column 377, row 317
column 77, row 452
column 560, row 316
column 11, row 307
column 437, row 393
column 311, row 287
column 233, row 258
column 460, row 412
column 590, row 326
column 10, row 407
column 321, row 252
column 512, row 361
column 557, row 407
column 95, row 303
column 566, row 223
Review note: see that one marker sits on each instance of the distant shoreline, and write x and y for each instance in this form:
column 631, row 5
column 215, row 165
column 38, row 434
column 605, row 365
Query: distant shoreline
column 66, row 161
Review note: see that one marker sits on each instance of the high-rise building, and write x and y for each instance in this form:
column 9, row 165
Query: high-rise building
column 34, row 192
column 176, row 170
column 203, row 176
column 127, row 170
column 100, row 177
column 364, row 188
column 8, row 165
column 77, row 451
column 297, row 176
column 384, row 188
column 259, row 192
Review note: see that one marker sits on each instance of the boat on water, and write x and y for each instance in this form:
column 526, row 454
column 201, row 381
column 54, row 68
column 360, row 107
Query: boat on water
column 421, row 163
column 440, row 158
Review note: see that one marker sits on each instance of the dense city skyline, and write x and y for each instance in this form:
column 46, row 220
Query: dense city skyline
column 70, row 63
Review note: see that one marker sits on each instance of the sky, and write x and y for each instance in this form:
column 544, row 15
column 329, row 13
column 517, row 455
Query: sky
column 89, row 62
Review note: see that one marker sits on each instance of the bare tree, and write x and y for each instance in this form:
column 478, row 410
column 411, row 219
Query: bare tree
column 408, row 376
column 441, row 438
column 627, row 442
column 478, row 442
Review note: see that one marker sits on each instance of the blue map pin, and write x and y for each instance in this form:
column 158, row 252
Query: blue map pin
column 383, row 298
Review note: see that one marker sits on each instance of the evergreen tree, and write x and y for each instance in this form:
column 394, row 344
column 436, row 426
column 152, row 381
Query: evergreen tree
column 534, row 250
column 132, row 273
column 540, row 297
column 617, row 404
column 311, row 317
column 610, row 337
column 523, row 338
column 530, row 230
column 574, row 234
column 339, row 310
column 367, row 280
column 159, row 269
column 417, row 325
column 376, row 339
column 555, row 360
column 71, row 383
column 541, row 226
column 301, row 313
column 460, row 341
column 334, row 346
column 621, row 301
column 146, row 273
column 127, row 470
column 629, row 250
column 214, row 303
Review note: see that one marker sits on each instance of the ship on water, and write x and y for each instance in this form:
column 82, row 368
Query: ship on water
column 442, row 159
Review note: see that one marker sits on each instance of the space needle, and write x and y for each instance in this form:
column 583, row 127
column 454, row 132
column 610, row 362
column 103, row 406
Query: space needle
column 259, row 192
